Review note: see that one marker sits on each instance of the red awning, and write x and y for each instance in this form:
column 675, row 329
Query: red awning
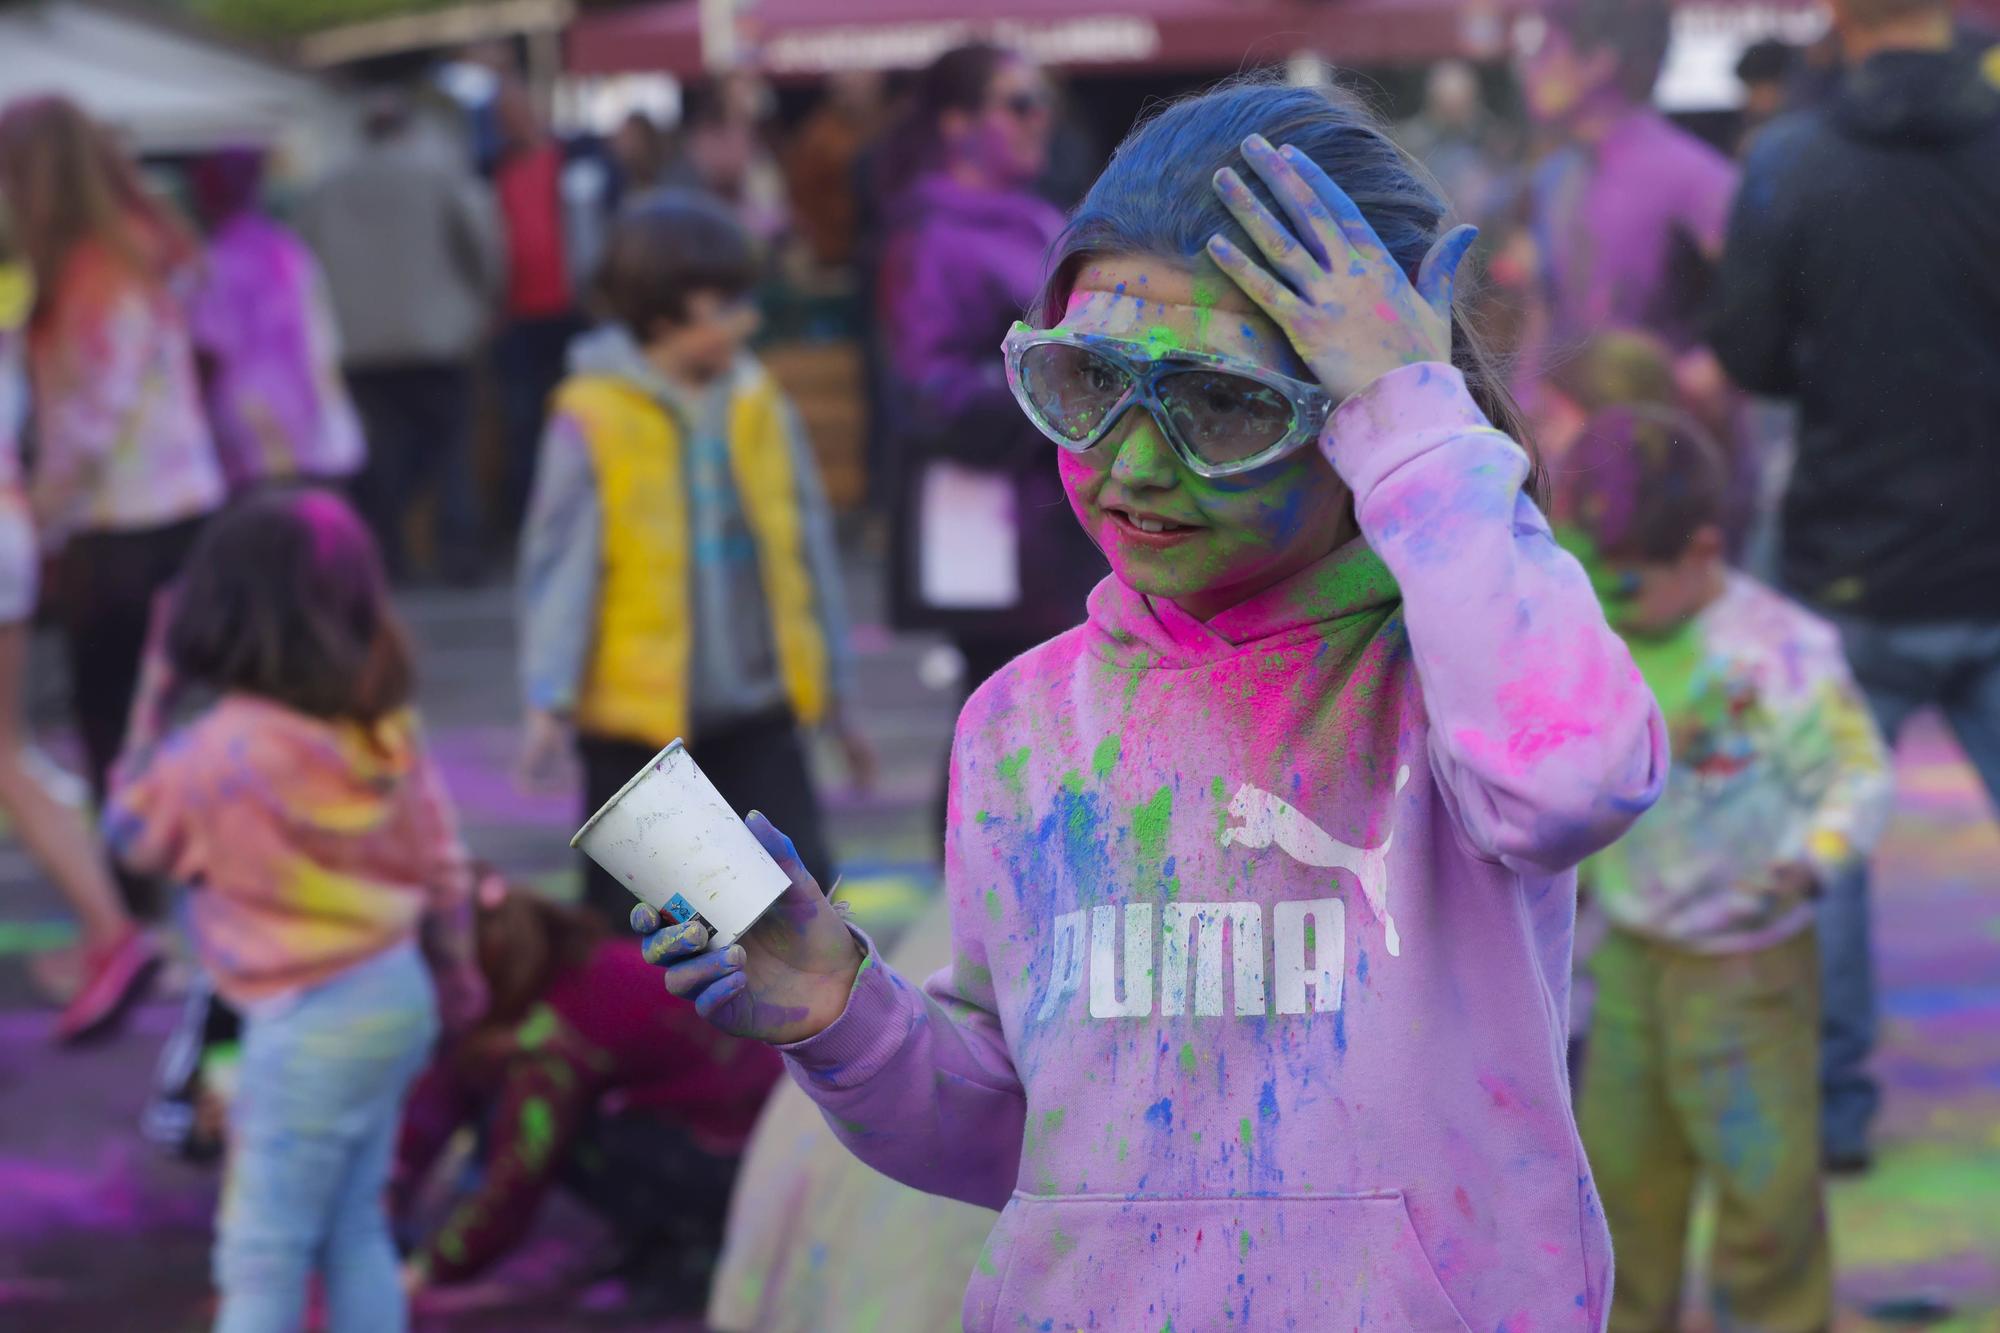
column 808, row 37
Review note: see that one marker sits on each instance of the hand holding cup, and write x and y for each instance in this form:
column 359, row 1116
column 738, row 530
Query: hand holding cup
column 786, row 979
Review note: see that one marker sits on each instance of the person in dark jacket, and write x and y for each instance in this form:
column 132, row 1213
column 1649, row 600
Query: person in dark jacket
column 985, row 545
column 1862, row 278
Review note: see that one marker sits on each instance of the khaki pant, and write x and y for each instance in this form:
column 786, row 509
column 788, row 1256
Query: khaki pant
column 1708, row 1066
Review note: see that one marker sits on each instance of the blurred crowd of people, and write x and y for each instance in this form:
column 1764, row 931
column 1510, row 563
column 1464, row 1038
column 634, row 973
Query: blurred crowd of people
column 224, row 434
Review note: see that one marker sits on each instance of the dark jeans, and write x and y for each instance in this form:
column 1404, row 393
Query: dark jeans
column 529, row 357
column 1901, row 668
column 418, row 419
column 108, row 583
column 756, row 765
column 665, row 1196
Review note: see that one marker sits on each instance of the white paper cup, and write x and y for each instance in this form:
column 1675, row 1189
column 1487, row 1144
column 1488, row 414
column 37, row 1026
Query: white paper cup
column 670, row 838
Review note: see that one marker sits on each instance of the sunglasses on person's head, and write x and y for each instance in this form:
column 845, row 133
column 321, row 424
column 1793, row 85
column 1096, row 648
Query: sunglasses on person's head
column 1025, row 105
column 1221, row 416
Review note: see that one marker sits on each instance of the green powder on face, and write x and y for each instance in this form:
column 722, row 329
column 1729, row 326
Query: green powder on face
column 1162, row 341
column 1011, row 768
column 1149, row 826
column 1105, row 757
column 1204, row 310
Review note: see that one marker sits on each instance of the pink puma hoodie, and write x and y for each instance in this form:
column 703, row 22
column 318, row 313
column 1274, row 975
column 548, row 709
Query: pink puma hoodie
column 1256, row 1017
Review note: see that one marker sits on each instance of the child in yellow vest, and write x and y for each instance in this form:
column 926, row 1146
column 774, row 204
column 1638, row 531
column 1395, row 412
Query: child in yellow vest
column 678, row 573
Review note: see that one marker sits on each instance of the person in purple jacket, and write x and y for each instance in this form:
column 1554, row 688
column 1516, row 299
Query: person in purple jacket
column 1261, row 880
column 984, row 545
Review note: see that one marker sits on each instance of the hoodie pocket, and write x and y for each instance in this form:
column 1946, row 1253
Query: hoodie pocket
column 1328, row 1263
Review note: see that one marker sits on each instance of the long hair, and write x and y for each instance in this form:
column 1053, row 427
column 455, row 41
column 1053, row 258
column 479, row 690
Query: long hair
column 525, row 941
column 1157, row 198
column 69, row 182
column 284, row 597
column 958, row 80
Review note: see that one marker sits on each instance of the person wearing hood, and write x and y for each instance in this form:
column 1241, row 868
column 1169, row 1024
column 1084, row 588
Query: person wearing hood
column 984, row 548
column 679, row 578
column 1862, row 278
column 1261, row 880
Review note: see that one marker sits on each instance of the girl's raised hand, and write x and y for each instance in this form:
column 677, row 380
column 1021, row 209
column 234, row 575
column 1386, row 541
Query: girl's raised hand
column 1331, row 284
column 788, row 977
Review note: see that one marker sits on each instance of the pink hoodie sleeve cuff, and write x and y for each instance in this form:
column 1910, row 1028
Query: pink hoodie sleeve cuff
column 870, row 1030
column 1399, row 417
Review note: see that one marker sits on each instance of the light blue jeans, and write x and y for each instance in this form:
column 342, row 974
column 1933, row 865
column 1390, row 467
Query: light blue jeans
column 323, row 1076
column 1901, row 668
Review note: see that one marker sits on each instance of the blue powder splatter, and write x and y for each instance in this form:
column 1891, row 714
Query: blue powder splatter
column 1340, row 1031
column 1361, row 966
column 1267, row 1102
column 1161, row 1113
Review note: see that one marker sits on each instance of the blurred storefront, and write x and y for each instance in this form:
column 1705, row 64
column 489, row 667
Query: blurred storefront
column 170, row 86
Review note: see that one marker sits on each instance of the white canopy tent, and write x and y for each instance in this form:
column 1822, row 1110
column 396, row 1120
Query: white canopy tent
column 166, row 85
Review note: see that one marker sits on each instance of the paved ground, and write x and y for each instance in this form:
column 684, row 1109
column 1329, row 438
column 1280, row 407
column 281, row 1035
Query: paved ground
column 99, row 1234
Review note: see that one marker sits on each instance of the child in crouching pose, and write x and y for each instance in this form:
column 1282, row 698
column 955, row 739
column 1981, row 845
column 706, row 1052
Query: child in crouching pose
column 1262, row 879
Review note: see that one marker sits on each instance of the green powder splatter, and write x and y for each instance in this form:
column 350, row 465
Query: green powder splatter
column 1124, row 1145
column 1204, row 308
column 538, row 1132
column 1312, row 943
column 1011, row 768
column 1187, row 1058
column 1072, row 782
column 1105, row 757
column 538, row 1029
column 1249, row 1134
column 1149, row 825
column 986, row 1267
column 1243, row 1244
column 993, row 908
column 1053, row 1120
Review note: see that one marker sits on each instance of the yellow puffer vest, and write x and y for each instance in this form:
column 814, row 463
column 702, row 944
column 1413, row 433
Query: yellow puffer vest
column 636, row 684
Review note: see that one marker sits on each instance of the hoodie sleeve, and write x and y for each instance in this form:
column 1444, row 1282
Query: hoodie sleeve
column 1545, row 740
column 960, row 405
column 822, row 554
column 560, row 569
column 919, row 1084
column 1754, row 320
column 1844, row 769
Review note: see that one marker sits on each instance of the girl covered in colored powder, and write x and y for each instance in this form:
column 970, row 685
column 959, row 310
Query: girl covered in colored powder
column 304, row 811
column 118, row 960
column 1262, row 880
column 125, row 466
